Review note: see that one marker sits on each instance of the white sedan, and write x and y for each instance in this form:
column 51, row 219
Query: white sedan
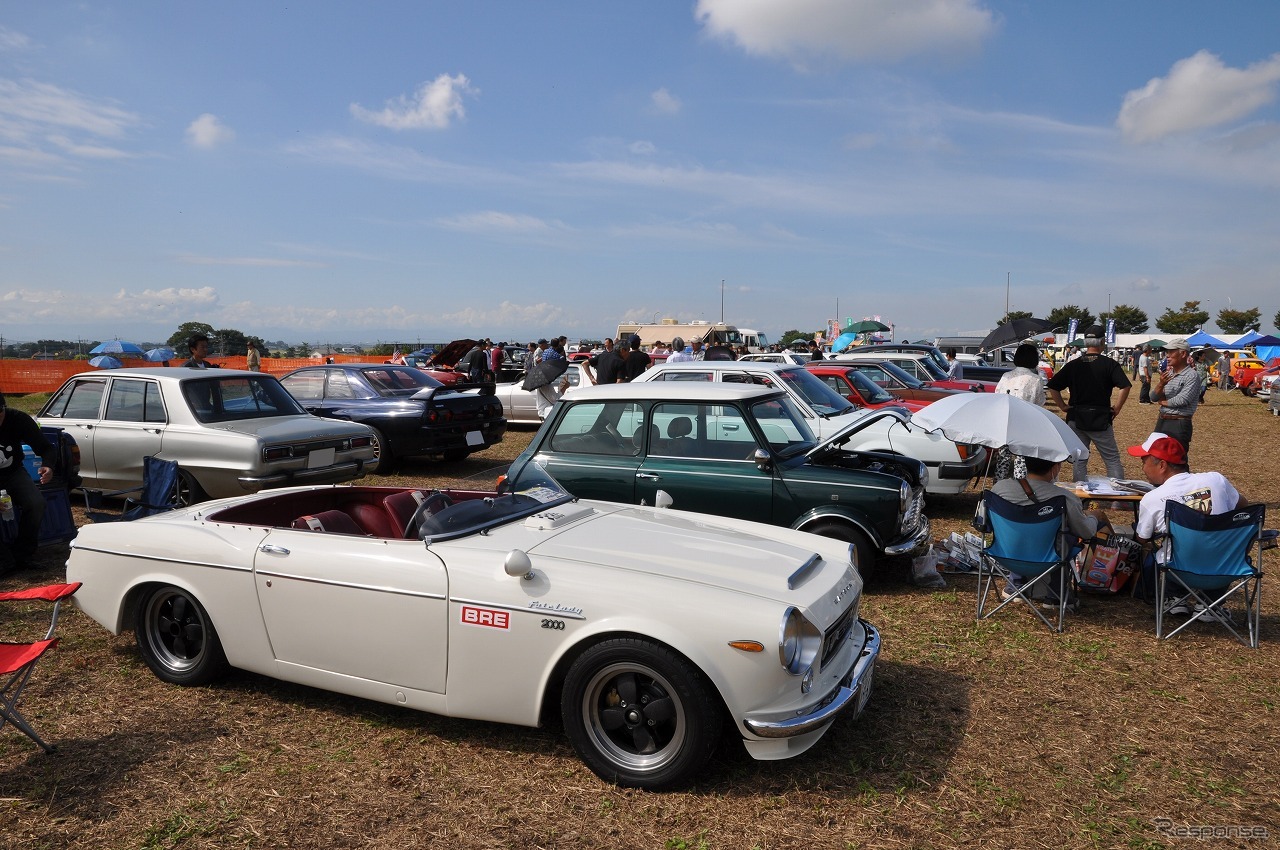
column 520, row 407
column 503, row 607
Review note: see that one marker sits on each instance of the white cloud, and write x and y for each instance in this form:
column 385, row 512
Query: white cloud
column 642, row 148
column 208, row 132
column 850, row 30
column 43, row 125
column 1144, row 284
column 499, row 222
column 11, row 40
column 172, row 304
column 433, row 106
column 1198, row 93
column 665, row 102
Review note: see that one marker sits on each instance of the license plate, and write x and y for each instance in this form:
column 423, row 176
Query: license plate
column 864, row 693
column 475, row 438
column 320, row 457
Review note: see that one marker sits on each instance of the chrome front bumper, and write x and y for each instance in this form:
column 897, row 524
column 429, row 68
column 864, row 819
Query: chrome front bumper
column 854, row 690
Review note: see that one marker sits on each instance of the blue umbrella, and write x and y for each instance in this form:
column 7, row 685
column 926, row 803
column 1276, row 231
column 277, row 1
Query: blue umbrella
column 115, row 346
column 104, row 361
column 842, row 342
column 161, row 354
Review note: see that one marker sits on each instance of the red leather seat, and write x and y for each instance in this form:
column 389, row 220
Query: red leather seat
column 333, row 522
column 374, row 519
column 400, row 507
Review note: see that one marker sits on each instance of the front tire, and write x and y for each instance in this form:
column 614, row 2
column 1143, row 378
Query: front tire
column 382, row 453
column 861, row 546
column 639, row 714
column 177, row 639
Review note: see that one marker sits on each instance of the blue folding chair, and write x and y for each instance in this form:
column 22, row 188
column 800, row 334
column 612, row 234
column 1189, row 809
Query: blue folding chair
column 1027, row 541
column 158, row 493
column 1208, row 563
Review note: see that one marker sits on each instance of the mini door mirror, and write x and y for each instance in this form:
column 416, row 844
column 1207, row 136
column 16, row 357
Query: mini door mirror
column 662, row 499
column 764, row 462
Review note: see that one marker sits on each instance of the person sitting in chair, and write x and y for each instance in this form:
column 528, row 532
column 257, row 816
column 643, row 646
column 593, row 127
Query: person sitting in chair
column 1039, row 486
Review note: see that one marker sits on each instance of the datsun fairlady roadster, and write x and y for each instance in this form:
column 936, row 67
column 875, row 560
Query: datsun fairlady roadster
column 644, row 628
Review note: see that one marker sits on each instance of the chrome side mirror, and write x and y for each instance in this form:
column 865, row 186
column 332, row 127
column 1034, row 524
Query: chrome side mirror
column 764, row 461
column 518, row 565
column 662, row 499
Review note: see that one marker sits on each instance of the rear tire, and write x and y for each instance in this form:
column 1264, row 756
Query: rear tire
column 842, row 531
column 189, row 490
column 382, row 452
column 177, row 639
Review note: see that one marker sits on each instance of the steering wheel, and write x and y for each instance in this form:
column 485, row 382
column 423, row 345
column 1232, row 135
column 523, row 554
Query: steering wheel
column 434, row 503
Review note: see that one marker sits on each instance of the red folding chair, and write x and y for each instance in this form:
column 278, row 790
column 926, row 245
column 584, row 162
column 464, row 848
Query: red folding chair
column 17, row 660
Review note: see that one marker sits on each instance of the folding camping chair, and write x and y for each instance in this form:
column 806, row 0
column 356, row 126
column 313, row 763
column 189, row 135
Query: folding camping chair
column 17, row 660
column 1027, row 541
column 1208, row 563
column 158, row 493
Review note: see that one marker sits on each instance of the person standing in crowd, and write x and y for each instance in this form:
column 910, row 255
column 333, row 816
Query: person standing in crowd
column 1091, row 378
column 678, row 352
column 253, row 359
column 1025, row 381
column 497, row 354
column 636, row 361
column 659, row 349
column 17, row 428
column 815, row 350
column 1178, row 391
column 1144, row 375
column 607, row 365
column 198, row 345
column 697, row 353
column 553, row 358
column 1201, row 360
column 953, row 365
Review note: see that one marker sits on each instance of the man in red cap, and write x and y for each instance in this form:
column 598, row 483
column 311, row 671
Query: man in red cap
column 1164, row 463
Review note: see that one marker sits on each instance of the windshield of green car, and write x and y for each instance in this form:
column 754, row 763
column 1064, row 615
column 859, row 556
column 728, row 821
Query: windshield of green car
column 783, row 426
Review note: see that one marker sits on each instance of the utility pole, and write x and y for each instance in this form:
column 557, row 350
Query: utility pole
column 722, row 301
column 1008, row 276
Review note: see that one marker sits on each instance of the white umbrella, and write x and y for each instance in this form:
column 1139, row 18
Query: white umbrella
column 1002, row 420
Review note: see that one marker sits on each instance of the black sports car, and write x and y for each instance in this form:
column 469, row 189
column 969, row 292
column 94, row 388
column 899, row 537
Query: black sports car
column 411, row 413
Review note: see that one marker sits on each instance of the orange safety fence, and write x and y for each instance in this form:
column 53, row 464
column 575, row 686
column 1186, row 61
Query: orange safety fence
column 19, row 377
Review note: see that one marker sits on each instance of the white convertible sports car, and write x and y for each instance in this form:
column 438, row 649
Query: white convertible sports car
column 645, row 628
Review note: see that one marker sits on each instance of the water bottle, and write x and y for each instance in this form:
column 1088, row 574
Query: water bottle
column 6, row 505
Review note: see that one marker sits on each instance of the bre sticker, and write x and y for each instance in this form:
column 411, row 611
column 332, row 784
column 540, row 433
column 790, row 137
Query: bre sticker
column 473, row 616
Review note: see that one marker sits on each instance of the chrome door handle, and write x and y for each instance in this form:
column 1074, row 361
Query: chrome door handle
column 648, row 476
column 272, row 549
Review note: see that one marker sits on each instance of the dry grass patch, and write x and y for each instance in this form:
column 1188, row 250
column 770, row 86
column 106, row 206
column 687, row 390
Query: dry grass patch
column 998, row 734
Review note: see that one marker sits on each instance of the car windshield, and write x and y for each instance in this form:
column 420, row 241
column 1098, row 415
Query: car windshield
column 909, row 380
column 824, row 400
column 398, row 380
column 870, row 392
column 936, row 358
column 534, row 492
column 937, row 372
column 783, row 426
column 233, row 399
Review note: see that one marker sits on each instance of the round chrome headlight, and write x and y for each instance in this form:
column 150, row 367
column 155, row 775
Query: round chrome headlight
column 904, row 497
column 799, row 642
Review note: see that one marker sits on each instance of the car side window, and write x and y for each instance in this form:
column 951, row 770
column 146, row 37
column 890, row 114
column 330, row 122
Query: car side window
column 682, row 375
column 79, row 400
column 127, row 401
column 337, row 385
column 305, row 385
column 598, row 428
column 727, row 435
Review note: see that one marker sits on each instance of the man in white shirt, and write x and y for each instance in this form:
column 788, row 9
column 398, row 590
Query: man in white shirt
column 1164, row 463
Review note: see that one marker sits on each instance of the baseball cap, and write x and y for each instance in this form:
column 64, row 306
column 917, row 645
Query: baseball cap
column 1162, row 447
column 1177, row 344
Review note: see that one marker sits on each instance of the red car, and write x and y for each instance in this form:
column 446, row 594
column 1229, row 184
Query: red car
column 857, row 387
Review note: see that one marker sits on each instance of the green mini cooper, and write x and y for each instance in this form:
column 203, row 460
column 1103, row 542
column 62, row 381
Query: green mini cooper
column 733, row 450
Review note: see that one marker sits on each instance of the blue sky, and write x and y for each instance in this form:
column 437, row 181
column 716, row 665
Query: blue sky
column 382, row 171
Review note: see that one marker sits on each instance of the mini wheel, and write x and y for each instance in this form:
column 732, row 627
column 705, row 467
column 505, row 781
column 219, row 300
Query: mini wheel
column 639, row 714
column 842, row 531
column 177, row 639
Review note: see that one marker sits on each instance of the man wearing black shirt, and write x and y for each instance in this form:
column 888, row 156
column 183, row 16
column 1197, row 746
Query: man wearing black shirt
column 17, row 428
column 1090, row 379
column 636, row 361
column 607, row 365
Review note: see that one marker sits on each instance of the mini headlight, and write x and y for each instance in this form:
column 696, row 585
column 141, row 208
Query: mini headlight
column 904, row 497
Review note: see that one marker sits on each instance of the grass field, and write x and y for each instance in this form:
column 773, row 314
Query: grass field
column 998, row 734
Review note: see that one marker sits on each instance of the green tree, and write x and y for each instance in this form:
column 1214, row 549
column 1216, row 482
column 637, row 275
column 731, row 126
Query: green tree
column 1182, row 322
column 1060, row 317
column 1239, row 321
column 788, row 337
column 1129, row 319
column 178, row 340
column 1275, row 320
column 1014, row 314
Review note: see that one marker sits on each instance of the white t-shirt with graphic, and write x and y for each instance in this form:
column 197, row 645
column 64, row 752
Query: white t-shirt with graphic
column 1207, row 492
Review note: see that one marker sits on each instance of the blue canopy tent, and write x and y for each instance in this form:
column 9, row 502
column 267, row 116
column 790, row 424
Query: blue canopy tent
column 1267, row 347
column 1200, row 339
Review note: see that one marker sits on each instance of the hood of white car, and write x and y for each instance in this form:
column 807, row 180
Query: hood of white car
column 860, row 421
column 688, row 547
